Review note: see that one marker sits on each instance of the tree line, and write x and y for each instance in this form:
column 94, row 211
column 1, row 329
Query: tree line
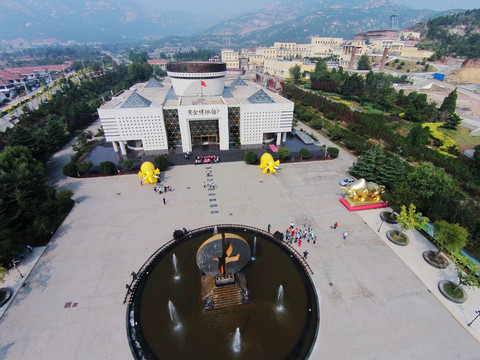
column 446, row 188
column 30, row 209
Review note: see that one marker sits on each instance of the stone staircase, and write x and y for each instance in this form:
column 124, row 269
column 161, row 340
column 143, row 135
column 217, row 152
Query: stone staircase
column 226, row 296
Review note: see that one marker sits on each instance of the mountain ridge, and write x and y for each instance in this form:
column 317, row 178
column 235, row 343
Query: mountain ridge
column 116, row 20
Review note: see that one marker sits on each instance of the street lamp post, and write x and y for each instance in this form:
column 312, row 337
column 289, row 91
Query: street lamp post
column 478, row 314
column 15, row 266
column 380, row 225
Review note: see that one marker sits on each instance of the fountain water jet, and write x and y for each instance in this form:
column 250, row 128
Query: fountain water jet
column 254, row 252
column 215, row 230
column 174, row 316
column 280, row 303
column 176, row 273
column 237, row 341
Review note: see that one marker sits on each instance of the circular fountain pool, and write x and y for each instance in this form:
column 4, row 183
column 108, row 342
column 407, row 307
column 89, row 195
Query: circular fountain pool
column 166, row 320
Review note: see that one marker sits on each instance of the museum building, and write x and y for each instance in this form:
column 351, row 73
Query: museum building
column 195, row 105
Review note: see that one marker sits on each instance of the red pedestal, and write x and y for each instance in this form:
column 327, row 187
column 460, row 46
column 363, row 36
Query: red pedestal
column 362, row 207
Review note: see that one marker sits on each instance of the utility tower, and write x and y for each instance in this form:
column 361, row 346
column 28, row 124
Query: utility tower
column 394, row 22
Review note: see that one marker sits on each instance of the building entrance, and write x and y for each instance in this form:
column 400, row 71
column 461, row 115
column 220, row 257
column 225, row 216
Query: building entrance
column 204, row 140
column 204, row 132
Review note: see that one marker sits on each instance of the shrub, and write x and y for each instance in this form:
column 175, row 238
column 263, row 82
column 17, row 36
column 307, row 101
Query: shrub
column 317, row 123
column 250, row 157
column 283, row 153
column 161, row 162
column 128, row 164
column 337, row 133
column 85, row 166
column 402, row 63
column 107, row 167
column 399, row 67
column 305, row 153
column 333, row 151
column 396, row 61
column 64, row 195
column 70, row 169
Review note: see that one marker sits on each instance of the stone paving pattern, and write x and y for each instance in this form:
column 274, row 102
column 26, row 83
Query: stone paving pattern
column 377, row 301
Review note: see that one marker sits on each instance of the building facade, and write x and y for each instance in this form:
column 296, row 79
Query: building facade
column 181, row 112
column 231, row 59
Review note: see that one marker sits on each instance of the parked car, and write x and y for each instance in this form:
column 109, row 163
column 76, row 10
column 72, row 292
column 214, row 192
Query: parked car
column 347, row 181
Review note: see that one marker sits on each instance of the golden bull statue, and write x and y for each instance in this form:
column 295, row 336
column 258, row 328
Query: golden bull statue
column 363, row 192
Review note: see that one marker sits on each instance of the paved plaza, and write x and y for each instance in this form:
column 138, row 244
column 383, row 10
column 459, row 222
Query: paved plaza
column 374, row 304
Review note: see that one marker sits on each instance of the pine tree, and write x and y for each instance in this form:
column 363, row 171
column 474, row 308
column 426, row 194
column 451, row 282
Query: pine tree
column 450, row 102
column 392, row 171
column 364, row 63
column 452, row 121
column 367, row 166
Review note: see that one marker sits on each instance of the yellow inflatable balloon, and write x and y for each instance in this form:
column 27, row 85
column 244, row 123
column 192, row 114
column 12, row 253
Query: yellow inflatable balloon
column 148, row 173
column 268, row 164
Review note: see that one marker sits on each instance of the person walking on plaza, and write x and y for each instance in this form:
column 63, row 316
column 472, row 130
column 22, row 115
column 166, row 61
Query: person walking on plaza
column 345, row 234
column 269, row 226
column 305, row 253
column 335, row 225
column 164, row 202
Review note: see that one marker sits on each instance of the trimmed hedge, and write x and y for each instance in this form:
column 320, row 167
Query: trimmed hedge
column 70, row 169
column 107, row 168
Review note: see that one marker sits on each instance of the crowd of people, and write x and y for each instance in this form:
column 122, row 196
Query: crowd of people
column 206, row 159
column 297, row 235
column 162, row 189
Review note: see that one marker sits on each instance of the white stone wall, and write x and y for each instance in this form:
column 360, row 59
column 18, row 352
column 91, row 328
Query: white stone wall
column 144, row 124
column 189, row 84
column 257, row 119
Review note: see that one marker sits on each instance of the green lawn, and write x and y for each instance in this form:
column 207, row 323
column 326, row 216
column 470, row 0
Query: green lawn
column 462, row 137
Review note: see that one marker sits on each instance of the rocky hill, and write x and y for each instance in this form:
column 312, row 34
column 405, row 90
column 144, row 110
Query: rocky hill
column 297, row 21
column 107, row 20
column 279, row 20
column 457, row 34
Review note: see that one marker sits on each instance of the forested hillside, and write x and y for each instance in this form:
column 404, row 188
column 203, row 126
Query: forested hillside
column 456, row 35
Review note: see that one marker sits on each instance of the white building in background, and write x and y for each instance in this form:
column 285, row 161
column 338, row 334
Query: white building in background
column 231, row 58
column 195, row 106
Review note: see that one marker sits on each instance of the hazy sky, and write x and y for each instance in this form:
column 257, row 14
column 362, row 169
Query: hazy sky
column 223, row 8
column 440, row 4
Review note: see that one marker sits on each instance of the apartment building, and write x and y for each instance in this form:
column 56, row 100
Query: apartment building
column 281, row 68
column 231, row 58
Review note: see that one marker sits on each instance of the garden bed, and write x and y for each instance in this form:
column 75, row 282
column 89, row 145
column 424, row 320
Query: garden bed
column 397, row 237
column 435, row 260
column 451, row 292
column 389, row 217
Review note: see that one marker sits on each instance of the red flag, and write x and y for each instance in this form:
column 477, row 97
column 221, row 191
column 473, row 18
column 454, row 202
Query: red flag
column 203, row 83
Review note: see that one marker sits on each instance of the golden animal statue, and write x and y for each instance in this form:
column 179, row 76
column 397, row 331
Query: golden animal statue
column 362, row 191
column 268, row 164
column 148, row 173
